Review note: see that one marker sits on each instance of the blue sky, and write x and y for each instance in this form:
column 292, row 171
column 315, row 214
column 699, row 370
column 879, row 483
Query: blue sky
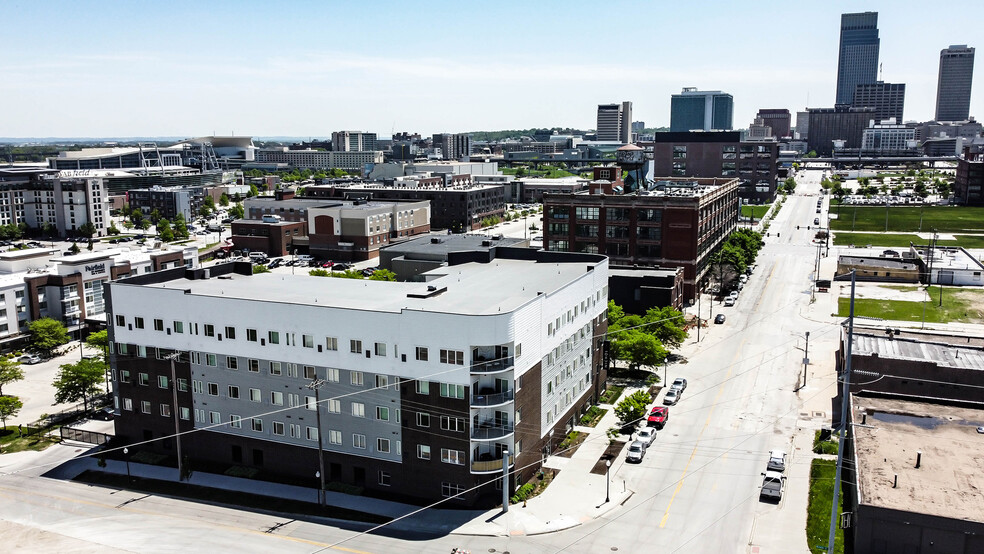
column 307, row 68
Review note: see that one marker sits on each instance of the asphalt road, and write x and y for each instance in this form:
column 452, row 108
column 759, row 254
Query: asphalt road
column 696, row 490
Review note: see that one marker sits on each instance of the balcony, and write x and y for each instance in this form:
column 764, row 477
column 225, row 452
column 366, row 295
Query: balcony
column 487, row 466
column 494, row 399
column 489, row 431
column 493, row 366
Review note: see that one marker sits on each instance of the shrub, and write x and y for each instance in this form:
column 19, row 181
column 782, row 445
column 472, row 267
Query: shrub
column 522, row 493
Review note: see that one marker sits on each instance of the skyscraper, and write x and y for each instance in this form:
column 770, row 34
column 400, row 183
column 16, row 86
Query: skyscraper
column 857, row 63
column 615, row 122
column 888, row 99
column 706, row 110
column 777, row 119
column 953, row 90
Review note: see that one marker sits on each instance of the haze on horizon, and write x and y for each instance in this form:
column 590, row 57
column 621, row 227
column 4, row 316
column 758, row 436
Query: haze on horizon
column 101, row 69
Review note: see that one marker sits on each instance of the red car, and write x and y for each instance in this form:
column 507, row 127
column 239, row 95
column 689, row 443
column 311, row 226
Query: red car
column 658, row 417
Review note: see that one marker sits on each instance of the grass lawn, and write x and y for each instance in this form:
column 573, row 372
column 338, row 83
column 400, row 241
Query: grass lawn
column 946, row 219
column 822, row 473
column 902, row 240
column 552, row 173
column 757, row 212
column 10, row 442
column 959, row 306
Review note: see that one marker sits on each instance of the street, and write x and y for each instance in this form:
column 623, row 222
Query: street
column 697, row 490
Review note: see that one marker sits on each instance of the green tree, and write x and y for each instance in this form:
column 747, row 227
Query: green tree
column 253, row 191
column 210, row 202
column 87, row 230
column 74, row 249
column 383, row 275
column 155, row 216
column 100, row 340
column 237, row 212
column 78, row 381
column 224, row 200
column 48, row 230
column 113, row 229
column 632, row 408
column 127, row 224
column 137, row 217
column 46, row 334
column 260, row 268
column 10, row 371
column 164, row 230
column 204, row 211
column 789, row 185
column 144, row 224
column 319, row 273
column 9, row 406
column 667, row 325
column 180, row 227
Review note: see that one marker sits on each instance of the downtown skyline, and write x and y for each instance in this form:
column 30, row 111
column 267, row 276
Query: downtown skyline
column 305, row 69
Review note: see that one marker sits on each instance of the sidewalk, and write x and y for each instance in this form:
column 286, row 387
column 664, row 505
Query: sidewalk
column 574, row 497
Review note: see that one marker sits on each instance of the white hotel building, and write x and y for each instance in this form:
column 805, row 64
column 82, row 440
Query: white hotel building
column 424, row 385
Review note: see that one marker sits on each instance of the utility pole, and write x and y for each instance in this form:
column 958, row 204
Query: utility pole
column 806, row 357
column 316, row 384
column 845, row 395
column 174, row 397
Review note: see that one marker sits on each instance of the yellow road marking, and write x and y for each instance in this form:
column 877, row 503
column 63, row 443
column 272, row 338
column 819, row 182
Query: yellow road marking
column 666, row 515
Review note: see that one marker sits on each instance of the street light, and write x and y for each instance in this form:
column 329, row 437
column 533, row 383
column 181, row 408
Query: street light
column 316, row 385
column 608, row 481
column 317, row 476
column 126, row 456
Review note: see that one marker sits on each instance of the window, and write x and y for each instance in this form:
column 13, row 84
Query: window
column 383, row 446
column 586, row 213
column 214, row 417
column 232, row 362
column 423, row 419
column 382, row 381
column 158, row 324
column 456, row 457
column 162, row 381
column 384, row 478
column 210, row 360
column 355, row 346
column 145, row 406
column 184, row 413
column 233, row 391
column 310, row 373
column 423, row 451
column 257, row 424
column 278, row 428
column 449, row 490
column 254, row 366
column 423, row 387
column 380, row 348
column 120, row 321
column 358, row 441
column 456, row 424
column 334, row 406
column 331, row 343
column 209, row 330
column 277, row 398
column 312, row 433
column 254, row 395
column 421, row 354
column 357, row 378
column 275, row 368
column 358, row 409
column 197, row 387
column 143, row 379
column 178, row 326
column 213, row 389
column 138, row 322
column 310, row 403
column 334, row 437
column 166, row 410
column 273, row 337
column 455, row 357
column 382, row 413
column 235, row 422
column 128, row 404
column 452, row 391
column 251, row 335
column 332, row 374
column 307, row 341
column 679, row 151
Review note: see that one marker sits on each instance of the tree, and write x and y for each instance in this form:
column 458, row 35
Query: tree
column 789, row 185
column 144, row 224
column 74, row 249
column 48, row 230
column 632, row 408
column 9, row 406
column 10, row 371
column 237, row 212
column 260, row 268
column 100, row 340
column 113, row 229
column 127, row 224
column 319, row 273
column 137, row 217
column 204, row 211
column 78, row 381
column 46, row 334
column 180, row 227
column 224, row 200
column 155, row 216
column 253, row 191
column 164, row 230
column 666, row 324
column 383, row 275
column 210, row 202
column 87, row 230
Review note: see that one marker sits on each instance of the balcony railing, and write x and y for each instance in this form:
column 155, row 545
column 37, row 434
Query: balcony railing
column 501, row 364
column 491, row 465
column 491, row 399
column 487, row 431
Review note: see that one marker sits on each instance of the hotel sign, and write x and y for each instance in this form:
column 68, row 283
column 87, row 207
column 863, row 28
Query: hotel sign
column 94, row 270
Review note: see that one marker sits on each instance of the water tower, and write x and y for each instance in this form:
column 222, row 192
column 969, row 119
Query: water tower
column 631, row 159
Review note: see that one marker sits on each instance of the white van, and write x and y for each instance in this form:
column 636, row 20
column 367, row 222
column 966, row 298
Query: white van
column 257, row 257
column 306, row 258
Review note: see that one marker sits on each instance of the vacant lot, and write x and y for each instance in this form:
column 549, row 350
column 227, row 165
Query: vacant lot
column 757, row 212
column 945, row 219
column 845, row 238
column 959, row 306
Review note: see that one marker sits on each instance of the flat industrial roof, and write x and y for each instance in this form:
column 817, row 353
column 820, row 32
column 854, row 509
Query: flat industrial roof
column 502, row 285
column 450, row 243
column 949, row 481
column 939, row 353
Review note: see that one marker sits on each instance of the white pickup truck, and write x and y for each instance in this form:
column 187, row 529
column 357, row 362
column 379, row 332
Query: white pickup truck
column 773, row 485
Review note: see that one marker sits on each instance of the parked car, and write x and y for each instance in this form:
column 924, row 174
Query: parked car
column 105, row 414
column 658, row 417
column 729, row 301
column 816, row 221
column 773, row 485
column 636, row 452
column 719, row 319
column 679, row 384
column 29, row 359
column 734, row 294
column 341, row 266
column 671, row 398
column 646, row 435
column 777, row 461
